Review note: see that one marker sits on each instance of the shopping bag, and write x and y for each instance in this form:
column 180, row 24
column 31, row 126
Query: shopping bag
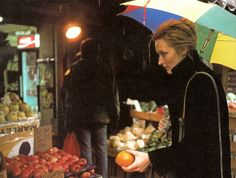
column 71, row 144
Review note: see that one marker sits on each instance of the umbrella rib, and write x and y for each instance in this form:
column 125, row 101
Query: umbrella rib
column 206, row 42
column 204, row 36
column 145, row 12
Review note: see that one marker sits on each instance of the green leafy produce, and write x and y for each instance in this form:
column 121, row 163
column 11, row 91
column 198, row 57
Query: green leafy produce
column 157, row 140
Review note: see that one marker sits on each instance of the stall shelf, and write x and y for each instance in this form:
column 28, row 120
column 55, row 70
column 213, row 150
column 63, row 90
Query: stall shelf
column 149, row 116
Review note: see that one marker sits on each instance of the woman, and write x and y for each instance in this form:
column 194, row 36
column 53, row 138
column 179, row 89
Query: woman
column 203, row 152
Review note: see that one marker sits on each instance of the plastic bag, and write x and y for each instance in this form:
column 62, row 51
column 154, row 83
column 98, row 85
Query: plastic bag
column 71, row 144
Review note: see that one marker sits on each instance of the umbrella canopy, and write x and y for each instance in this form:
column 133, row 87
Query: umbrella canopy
column 220, row 48
column 214, row 24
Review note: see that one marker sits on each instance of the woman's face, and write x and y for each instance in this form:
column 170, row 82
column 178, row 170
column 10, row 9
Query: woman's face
column 168, row 57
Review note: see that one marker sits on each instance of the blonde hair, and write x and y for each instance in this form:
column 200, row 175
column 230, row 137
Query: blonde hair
column 179, row 34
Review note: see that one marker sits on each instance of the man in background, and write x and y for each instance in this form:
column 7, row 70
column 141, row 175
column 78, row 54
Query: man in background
column 94, row 104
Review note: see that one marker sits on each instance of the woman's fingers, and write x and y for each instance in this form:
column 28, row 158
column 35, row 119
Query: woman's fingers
column 131, row 168
column 140, row 163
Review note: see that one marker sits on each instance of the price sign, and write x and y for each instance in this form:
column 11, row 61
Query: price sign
column 43, row 138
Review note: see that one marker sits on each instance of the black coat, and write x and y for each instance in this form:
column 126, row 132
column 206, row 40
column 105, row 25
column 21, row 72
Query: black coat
column 93, row 97
column 198, row 155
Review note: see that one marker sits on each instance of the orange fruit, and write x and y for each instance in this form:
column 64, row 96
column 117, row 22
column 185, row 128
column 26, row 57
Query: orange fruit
column 124, row 158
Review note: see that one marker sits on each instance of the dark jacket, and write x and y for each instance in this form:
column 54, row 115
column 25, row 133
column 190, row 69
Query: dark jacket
column 93, row 94
column 198, row 155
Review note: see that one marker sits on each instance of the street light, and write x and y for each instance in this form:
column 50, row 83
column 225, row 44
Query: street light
column 73, row 32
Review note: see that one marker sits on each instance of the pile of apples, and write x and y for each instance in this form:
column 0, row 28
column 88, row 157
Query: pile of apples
column 35, row 166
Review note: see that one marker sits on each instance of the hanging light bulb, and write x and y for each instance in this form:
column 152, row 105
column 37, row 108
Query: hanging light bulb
column 73, row 32
column 1, row 19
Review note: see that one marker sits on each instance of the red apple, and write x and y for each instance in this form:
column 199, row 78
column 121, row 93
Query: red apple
column 56, row 167
column 57, row 155
column 68, row 155
column 53, row 159
column 46, row 156
column 23, row 166
column 64, row 157
column 42, row 161
column 65, row 167
column 22, row 159
column 36, row 166
column 74, row 157
column 69, row 161
column 60, row 161
column 92, row 172
column 26, row 173
column 61, row 152
column 33, row 159
column 29, row 163
column 16, row 171
column 38, row 173
column 11, row 167
column 49, row 166
column 75, row 168
column 17, row 163
column 54, row 149
column 82, row 162
column 85, row 175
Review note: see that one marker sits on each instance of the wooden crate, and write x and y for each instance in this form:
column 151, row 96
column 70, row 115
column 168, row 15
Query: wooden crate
column 150, row 116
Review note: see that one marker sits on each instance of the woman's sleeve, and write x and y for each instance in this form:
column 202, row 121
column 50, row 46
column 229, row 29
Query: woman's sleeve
column 167, row 160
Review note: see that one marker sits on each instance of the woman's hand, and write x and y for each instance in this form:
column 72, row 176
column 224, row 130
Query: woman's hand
column 164, row 124
column 140, row 163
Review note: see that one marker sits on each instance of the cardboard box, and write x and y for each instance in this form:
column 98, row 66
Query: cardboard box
column 26, row 142
column 21, row 126
column 18, row 137
column 17, row 143
column 43, row 138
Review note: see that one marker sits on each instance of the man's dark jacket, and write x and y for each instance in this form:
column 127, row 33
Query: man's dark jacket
column 198, row 155
column 92, row 95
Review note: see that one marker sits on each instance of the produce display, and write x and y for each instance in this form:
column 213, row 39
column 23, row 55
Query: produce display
column 13, row 109
column 53, row 160
column 137, row 138
column 133, row 138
